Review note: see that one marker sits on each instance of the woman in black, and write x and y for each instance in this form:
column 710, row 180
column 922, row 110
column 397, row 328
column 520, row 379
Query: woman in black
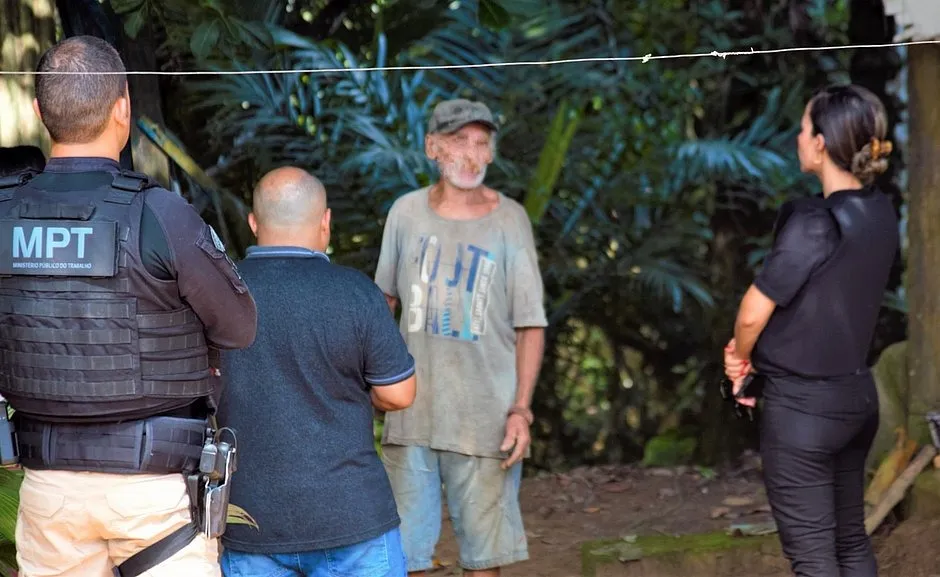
column 805, row 327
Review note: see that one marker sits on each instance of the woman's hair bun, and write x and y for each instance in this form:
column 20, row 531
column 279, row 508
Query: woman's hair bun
column 871, row 160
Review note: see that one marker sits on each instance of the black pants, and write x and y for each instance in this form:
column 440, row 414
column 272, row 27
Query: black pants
column 815, row 437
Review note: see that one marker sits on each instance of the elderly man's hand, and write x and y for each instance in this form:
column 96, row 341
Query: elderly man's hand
column 517, row 438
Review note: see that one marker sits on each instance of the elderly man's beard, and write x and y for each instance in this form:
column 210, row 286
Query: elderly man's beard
column 462, row 175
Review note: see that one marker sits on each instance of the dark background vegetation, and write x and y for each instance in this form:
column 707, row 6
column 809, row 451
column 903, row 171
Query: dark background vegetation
column 652, row 186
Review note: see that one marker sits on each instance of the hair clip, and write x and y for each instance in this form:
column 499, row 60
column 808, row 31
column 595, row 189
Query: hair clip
column 880, row 148
column 886, row 147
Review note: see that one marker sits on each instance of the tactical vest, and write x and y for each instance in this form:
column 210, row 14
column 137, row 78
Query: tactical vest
column 827, row 329
column 85, row 332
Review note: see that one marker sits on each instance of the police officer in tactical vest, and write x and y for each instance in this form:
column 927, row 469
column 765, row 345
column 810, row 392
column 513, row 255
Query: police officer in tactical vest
column 113, row 292
column 804, row 329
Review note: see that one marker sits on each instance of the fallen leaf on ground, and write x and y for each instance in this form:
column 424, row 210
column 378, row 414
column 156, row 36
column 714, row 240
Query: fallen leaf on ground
column 738, row 501
column 618, row 487
column 752, row 529
column 592, row 509
column 629, row 538
column 719, row 512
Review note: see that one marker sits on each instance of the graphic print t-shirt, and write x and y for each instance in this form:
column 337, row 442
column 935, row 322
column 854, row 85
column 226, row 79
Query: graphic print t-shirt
column 464, row 286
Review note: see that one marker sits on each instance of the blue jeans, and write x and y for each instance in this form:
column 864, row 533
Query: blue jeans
column 378, row 557
column 482, row 500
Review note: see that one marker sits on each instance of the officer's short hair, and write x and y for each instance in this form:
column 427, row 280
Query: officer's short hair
column 14, row 159
column 75, row 107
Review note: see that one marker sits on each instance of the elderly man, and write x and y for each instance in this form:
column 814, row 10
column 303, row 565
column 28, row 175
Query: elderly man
column 114, row 293
column 461, row 259
column 301, row 400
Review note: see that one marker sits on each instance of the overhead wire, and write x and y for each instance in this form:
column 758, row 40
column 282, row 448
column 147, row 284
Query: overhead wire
column 722, row 54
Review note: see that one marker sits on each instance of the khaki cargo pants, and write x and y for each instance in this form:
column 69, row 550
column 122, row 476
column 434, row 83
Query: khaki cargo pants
column 77, row 524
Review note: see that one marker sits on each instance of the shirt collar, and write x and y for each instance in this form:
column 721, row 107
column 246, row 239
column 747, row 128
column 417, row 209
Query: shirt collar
column 81, row 164
column 283, row 251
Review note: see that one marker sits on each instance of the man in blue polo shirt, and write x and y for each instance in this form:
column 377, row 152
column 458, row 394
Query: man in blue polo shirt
column 301, row 397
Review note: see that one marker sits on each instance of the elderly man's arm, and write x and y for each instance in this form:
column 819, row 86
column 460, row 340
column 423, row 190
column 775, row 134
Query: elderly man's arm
column 386, row 269
column 530, row 346
column 526, row 294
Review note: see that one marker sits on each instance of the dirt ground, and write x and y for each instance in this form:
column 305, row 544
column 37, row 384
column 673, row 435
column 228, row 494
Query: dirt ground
column 562, row 511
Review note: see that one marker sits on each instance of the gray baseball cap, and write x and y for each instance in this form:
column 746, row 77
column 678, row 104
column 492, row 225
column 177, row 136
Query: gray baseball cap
column 450, row 116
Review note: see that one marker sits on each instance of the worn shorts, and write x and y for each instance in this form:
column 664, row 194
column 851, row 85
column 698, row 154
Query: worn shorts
column 78, row 524
column 378, row 557
column 482, row 499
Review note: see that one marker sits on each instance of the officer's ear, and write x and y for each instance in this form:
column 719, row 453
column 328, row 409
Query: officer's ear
column 253, row 223
column 36, row 109
column 325, row 222
column 122, row 110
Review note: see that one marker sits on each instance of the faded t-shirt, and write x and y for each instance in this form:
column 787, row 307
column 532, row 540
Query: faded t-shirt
column 464, row 287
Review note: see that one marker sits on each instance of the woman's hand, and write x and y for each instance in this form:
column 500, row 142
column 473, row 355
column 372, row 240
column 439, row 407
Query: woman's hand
column 746, row 401
column 736, row 369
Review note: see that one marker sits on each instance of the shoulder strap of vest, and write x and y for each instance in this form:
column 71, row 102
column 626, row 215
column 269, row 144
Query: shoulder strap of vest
column 128, row 183
column 132, row 181
column 9, row 183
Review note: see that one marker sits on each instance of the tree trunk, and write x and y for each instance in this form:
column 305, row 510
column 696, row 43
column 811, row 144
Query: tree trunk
column 875, row 70
column 96, row 19
column 27, row 29
column 140, row 54
column 923, row 266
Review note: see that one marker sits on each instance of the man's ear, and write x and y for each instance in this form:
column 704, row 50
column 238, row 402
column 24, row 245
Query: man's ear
column 325, row 221
column 253, row 223
column 36, row 109
column 122, row 110
column 430, row 147
column 490, row 151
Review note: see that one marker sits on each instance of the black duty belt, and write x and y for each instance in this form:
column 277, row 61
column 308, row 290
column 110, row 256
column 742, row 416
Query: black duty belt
column 163, row 445
column 154, row 445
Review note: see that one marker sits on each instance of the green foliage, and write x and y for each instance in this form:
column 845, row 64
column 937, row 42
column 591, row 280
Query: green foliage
column 551, row 161
column 10, row 481
column 651, row 187
column 669, row 450
column 493, row 15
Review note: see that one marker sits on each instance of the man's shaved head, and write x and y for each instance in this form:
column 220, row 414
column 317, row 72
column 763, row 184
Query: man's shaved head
column 288, row 197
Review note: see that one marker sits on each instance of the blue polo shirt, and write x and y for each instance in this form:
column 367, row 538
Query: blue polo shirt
column 299, row 401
